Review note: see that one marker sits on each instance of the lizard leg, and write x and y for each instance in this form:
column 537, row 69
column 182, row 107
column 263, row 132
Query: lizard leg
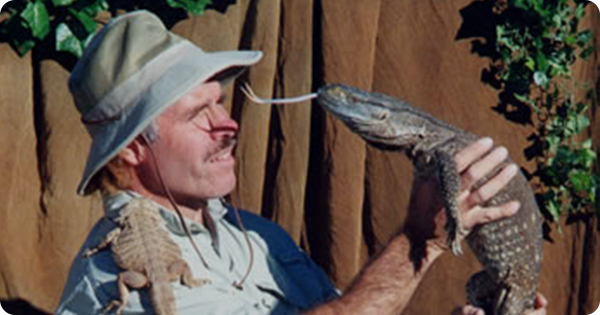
column 181, row 270
column 126, row 279
column 481, row 291
column 449, row 185
column 110, row 237
column 498, row 297
column 512, row 300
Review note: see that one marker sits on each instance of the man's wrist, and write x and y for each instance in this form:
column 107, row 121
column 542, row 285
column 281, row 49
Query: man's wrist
column 434, row 249
column 422, row 253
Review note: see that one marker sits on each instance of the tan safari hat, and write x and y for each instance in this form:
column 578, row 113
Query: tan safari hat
column 134, row 69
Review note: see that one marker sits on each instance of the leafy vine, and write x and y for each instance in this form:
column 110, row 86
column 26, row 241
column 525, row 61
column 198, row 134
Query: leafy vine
column 68, row 25
column 537, row 45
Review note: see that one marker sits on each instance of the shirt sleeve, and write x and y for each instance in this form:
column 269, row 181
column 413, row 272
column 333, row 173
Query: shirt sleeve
column 79, row 299
column 80, row 294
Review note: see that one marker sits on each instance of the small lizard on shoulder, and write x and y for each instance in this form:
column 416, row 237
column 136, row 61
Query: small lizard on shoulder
column 150, row 258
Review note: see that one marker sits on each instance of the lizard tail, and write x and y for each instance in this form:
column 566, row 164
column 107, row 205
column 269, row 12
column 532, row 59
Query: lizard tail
column 162, row 298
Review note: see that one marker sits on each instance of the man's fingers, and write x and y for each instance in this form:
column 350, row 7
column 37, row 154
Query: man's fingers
column 493, row 186
column 481, row 215
column 540, row 305
column 541, row 311
column 471, row 153
column 540, row 301
column 467, row 310
column 482, row 167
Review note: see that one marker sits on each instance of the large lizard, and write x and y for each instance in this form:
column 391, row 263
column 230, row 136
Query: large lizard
column 509, row 249
column 150, row 258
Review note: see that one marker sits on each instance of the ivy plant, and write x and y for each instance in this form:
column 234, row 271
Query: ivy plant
column 538, row 42
column 68, row 25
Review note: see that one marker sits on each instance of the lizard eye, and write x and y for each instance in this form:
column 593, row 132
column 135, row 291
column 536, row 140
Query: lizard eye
column 384, row 115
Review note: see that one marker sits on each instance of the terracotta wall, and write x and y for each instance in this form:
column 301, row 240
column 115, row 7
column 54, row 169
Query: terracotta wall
column 338, row 197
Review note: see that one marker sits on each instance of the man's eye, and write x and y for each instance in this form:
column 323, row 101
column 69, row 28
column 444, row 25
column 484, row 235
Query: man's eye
column 198, row 112
column 200, row 120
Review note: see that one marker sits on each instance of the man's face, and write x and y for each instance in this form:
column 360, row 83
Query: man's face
column 194, row 148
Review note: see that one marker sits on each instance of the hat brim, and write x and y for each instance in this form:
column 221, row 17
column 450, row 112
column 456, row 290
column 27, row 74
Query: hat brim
column 194, row 68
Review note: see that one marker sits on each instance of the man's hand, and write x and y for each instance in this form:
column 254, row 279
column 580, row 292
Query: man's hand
column 540, row 308
column 426, row 220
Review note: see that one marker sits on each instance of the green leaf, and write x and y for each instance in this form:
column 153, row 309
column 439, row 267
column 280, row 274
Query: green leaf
column 581, row 180
column 530, row 64
column 18, row 35
column 88, row 23
column 564, row 154
column 36, row 17
column 541, row 61
column 587, row 144
column 554, row 208
column 62, row 3
column 525, row 99
column 571, row 40
column 67, row 41
column 584, row 37
column 97, row 6
column 585, row 157
column 587, row 52
column 23, row 47
column 577, row 123
column 553, row 141
column 193, row 6
column 579, row 11
column 520, row 4
column 540, row 79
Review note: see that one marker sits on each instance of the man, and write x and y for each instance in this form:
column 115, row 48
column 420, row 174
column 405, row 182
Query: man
column 152, row 103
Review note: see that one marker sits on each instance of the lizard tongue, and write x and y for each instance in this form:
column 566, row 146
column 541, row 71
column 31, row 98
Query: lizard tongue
column 253, row 97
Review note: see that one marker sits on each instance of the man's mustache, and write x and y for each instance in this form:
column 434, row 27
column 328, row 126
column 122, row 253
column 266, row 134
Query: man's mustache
column 223, row 145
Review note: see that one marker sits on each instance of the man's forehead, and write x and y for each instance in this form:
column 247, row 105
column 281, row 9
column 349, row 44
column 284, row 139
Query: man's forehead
column 190, row 101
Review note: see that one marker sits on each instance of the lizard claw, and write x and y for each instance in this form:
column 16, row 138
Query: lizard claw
column 112, row 305
column 89, row 252
column 456, row 232
column 197, row 282
column 456, row 248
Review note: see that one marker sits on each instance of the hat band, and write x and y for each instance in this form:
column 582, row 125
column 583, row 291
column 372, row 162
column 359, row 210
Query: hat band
column 111, row 107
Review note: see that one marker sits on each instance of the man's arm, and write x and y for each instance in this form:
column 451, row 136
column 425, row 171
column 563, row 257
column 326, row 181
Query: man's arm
column 387, row 283
column 540, row 308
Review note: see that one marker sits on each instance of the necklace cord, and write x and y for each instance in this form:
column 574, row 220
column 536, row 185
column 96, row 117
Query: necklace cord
column 174, row 204
column 238, row 284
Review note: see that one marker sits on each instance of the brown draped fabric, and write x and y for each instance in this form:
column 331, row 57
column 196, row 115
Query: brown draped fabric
column 339, row 198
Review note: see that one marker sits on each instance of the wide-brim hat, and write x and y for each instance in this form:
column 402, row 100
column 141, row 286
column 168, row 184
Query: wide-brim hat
column 131, row 71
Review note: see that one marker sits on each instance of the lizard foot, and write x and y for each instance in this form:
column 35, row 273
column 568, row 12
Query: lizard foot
column 89, row 252
column 113, row 304
column 456, row 232
column 197, row 282
column 449, row 185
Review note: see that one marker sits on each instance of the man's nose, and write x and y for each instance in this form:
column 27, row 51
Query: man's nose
column 221, row 124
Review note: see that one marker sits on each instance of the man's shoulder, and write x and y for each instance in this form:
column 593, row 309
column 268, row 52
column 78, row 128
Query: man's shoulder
column 301, row 278
column 86, row 286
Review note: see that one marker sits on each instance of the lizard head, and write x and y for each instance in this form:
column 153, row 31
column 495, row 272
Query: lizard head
column 378, row 118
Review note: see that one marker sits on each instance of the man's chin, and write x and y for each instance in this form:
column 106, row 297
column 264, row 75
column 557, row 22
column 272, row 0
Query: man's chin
column 223, row 189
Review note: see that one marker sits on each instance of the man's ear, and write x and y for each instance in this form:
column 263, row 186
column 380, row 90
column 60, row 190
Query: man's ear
column 135, row 153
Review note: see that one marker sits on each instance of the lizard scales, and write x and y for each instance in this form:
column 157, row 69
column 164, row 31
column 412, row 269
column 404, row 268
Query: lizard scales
column 510, row 249
column 149, row 257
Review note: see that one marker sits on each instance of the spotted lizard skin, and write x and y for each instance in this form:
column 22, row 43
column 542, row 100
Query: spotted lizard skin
column 509, row 249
